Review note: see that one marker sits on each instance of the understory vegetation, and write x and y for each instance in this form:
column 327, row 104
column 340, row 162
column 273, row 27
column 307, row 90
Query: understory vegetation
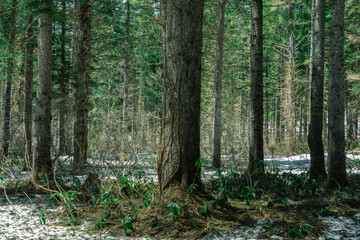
column 122, row 199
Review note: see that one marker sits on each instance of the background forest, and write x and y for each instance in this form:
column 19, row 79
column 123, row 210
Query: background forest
column 106, row 100
column 125, row 87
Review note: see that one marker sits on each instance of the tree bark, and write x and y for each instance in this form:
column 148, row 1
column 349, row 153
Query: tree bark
column 42, row 164
column 179, row 148
column 256, row 151
column 218, row 85
column 10, row 73
column 336, row 138
column 82, row 89
column 290, row 105
column 29, row 76
column 316, row 146
column 126, row 68
column 63, row 82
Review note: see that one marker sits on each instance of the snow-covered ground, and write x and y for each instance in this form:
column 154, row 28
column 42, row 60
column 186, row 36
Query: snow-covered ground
column 20, row 219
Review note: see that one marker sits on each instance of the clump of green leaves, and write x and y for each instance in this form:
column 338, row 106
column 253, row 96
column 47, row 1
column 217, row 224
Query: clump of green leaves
column 205, row 211
column 42, row 217
column 173, row 208
column 299, row 230
column 147, row 200
column 128, row 223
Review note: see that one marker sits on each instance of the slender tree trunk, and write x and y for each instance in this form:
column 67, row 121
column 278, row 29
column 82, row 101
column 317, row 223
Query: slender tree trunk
column 256, row 151
column 63, row 81
column 42, row 164
column 279, row 96
column 218, row 85
column 301, row 120
column 179, row 148
column 10, row 73
column 82, row 90
column 29, row 75
column 336, row 139
column 290, row 106
column 316, row 146
column 306, row 113
column 126, row 68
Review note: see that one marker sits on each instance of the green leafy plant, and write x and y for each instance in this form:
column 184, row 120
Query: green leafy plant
column 299, row 230
column 285, row 201
column 68, row 198
column 42, row 217
column 205, row 211
column 193, row 186
column 128, row 223
column 147, row 200
column 173, row 208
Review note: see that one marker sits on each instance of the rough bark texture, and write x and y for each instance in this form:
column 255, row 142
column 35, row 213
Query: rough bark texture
column 29, row 75
column 42, row 158
column 82, row 89
column 317, row 166
column 63, row 81
column 256, row 152
column 218, row 85
column 10, row 72
column 126, row 68
column 179, row 147
column 336, row 138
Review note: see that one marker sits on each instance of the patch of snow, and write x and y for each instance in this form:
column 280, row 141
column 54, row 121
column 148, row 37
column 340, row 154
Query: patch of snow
column 343, row 228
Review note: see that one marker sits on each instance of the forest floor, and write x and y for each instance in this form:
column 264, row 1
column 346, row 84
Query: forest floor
column 281, row 205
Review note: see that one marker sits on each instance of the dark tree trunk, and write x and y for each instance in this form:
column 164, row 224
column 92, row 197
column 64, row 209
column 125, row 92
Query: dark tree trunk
column 256, row 151
column 336, row 138
column 29, row 75
column 218, row 85
column 126, row 68
column 42, row 164
column 317, row 166
column 179, row 147
column 63, row 82
column 82, row 89
column 10, row 73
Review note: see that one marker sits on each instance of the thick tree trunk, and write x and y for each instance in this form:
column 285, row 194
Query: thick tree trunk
column 82, row 89
column 336, row 139
column 63, row 82
column 42, row 164
column 218, row 85
column 29, row 75
column 317, row 166
column 10, row 73
column 126, row 68
column 256, row 151
column 179, row 148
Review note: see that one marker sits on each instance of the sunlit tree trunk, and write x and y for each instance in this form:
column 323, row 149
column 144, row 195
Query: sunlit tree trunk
column 317, row 166
column 42, row 164
column 256, row 151
column 179, row 147
column 218, row 85
column 336, row 138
